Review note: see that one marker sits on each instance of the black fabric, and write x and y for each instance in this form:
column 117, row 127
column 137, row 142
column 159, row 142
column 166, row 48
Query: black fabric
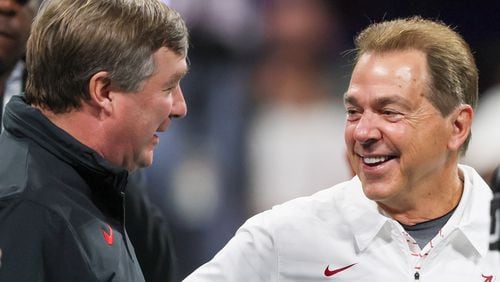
column 149, row 232
column 494, row 210
column 61, row 206
column 424, row 232
column 1, row 110
column 495, row 180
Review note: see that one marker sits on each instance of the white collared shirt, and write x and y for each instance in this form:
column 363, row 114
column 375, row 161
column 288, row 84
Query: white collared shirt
column 340, row 235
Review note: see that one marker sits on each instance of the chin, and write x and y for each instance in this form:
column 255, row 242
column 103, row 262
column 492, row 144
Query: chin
column 377, row 192
column 145, row 159
column 146, row 162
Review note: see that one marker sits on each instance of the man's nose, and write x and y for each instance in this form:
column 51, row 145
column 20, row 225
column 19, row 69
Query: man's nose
column 179, row 107
column 367, row 129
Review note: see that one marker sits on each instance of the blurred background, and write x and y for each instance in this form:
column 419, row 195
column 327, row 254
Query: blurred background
column 265, row 113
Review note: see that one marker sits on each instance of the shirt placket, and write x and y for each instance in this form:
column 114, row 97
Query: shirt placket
column 419, row 256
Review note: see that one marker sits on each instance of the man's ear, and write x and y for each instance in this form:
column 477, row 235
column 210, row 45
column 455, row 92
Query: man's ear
column 461, row 119
column 99, row 91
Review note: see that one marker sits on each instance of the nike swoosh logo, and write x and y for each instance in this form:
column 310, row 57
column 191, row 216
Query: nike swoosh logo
column 108, row 237
column 329, row 272
column 487, row 278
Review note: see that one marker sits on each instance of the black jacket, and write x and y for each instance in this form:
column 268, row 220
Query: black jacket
column 149, row 232
column 61, row 206
column 147, row 228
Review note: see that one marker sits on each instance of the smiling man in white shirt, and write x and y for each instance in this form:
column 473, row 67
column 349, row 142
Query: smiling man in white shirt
column 411, row 212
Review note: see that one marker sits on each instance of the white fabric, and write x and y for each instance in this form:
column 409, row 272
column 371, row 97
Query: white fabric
column 337, row 227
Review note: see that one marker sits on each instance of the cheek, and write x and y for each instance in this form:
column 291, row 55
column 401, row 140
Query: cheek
column 422, row 143
column 349, row 134
column 398, row 134
column 160, row 111
column 163, row 109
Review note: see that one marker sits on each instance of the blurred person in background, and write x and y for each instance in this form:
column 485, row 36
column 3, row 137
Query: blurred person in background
column 15, row 21
column 202, row 184
column 484, row 149
column 146, row 226
column 293, row 145
column 411, row 208
column 484, row 152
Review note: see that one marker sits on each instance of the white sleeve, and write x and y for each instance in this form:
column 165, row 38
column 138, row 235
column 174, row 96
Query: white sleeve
column 249, row 256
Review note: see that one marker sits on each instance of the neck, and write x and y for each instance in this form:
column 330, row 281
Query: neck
column 429, row 202
column 81, row 124
column 91, row 126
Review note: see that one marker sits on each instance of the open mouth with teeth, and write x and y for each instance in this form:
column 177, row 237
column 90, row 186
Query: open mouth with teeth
column 374, row 161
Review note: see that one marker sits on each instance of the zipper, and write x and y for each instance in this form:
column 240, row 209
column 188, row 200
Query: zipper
column 416, row 276
column 124, row 229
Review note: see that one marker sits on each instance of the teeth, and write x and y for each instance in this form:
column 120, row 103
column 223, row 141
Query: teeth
column 374, row 160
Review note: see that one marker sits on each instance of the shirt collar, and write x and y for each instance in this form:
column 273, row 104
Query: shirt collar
column 471, row 217
column 362, row 215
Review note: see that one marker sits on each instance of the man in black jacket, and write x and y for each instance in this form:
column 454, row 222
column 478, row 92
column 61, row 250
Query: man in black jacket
column 154, row 249
column 63, row 220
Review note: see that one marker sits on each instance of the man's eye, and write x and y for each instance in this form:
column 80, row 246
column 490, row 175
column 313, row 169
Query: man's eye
column 352, row 114
column 168, row 90
column 392, row 115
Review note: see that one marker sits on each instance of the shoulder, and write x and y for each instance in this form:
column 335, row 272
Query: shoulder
column 270, row 240
column 13, row 166
column 323, row 208
column 324, row 201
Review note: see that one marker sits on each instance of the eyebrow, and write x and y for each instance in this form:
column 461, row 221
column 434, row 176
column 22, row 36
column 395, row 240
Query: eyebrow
column 380, row 102
column 176, row 77
column 350, row 99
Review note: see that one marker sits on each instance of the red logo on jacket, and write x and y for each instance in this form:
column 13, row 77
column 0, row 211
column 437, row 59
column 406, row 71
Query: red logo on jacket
column 108, row 236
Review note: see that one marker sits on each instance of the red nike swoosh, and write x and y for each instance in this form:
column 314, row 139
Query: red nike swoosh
column 108, row 237
column 487, row 278
column 329, row 272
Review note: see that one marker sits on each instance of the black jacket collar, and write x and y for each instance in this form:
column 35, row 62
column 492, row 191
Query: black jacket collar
column 22, row 120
